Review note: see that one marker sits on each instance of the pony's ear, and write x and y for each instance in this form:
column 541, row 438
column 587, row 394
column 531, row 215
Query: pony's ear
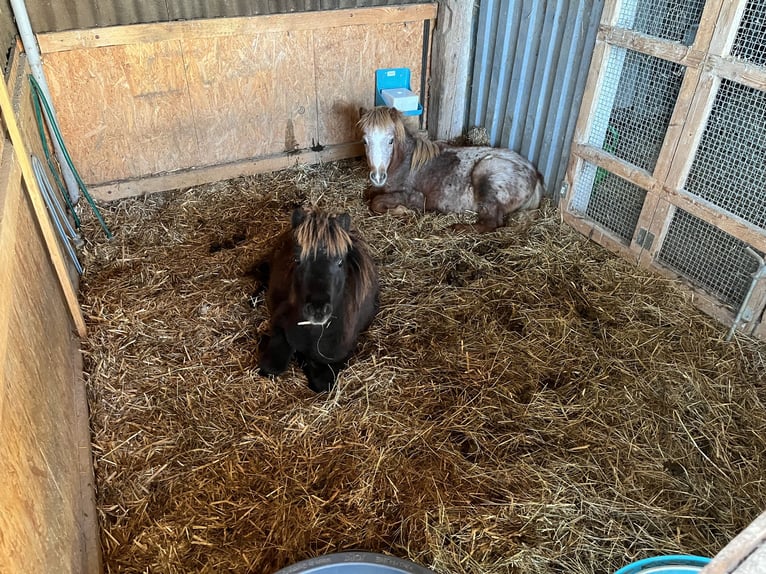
column 298, row 216
column 345, row 220
column 362, row 111
column 394, row 113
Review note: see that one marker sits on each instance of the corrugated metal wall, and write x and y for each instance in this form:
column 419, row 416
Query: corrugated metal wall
column 58, row 15
column 530, row 66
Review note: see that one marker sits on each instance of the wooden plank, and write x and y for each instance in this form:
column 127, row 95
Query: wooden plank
column 693, row 128
column 42, row 516
column 87, row 518
column 451, row 62
column 655, row 218
column 10, row 177
column 731, row 224
column 244, row 106
column 189, row 178
column 617, row 166
column 738, row 71
column 677, row 124
column 737, row 551
column 650, row 45
column 348, row 81
column 727, row 20
column 610, row 12
column 245, row 26
column 43, row 220
column 593, row 88
column 125, row 111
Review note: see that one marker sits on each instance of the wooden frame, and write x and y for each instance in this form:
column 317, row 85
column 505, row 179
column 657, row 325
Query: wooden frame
column 160, row 106
column 707, row 61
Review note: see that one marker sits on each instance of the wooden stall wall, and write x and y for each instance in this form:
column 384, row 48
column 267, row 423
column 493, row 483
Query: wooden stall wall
column 152, row 107
column 48, row 519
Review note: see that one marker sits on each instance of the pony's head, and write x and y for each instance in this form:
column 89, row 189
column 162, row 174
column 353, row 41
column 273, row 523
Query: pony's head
column 321, row 246
column 382, row 132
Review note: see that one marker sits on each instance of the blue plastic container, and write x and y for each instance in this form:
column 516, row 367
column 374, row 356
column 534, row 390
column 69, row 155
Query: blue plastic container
column 355, row 563
column 675, row 564
column 386, row 78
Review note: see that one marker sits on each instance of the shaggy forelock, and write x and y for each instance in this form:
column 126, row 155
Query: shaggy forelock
column 383, row 118
column 320, row 232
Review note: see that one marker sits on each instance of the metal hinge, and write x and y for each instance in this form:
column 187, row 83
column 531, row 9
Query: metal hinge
column 644, row 238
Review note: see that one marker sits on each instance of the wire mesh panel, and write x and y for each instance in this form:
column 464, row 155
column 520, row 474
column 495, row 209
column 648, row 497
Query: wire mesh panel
column 710, row 258
column 749, row 43
column 612, row 202
column 634, row 106
column 729, row 168
column 675, row 20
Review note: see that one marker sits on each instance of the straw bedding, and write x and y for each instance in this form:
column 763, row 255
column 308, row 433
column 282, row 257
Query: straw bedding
column 524, row 402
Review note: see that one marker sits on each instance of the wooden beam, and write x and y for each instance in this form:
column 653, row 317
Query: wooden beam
column 727, row 222
column 41, row 213
column 650, row 45
column 188, row 178
column 617, row 166
column 219, row 27
column 450, row 69
column 737, row 71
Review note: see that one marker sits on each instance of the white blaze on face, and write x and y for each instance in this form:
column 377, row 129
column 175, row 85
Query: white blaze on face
column 379, row 148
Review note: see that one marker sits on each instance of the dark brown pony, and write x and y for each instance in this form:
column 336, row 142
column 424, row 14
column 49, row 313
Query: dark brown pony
column 413, row 172
column 322, row 293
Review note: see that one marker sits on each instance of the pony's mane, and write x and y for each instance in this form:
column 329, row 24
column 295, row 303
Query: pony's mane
column 425, row 150
column 383, row 117
column 319, row 231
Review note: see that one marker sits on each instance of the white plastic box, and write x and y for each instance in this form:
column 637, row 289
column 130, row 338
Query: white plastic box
column 402, row 99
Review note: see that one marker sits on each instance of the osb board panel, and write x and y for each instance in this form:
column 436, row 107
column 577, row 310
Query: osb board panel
column 250, row 95
column 41, row 498
column 346, row 79
column 124, row 110
column 223, row 95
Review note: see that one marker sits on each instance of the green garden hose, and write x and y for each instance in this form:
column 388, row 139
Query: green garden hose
column 37, row 100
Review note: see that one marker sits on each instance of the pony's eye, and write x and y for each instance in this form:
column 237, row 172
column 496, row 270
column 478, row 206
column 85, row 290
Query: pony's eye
column 364, row 140
column 339, row 262
column 390, row 141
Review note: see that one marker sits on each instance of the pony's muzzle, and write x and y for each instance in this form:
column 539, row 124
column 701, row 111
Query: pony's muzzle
column 378, row 178
column 317, row 314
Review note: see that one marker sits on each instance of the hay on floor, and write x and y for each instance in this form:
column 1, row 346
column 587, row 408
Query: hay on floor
column 525, row 402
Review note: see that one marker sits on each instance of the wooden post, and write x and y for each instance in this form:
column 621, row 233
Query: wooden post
column 450, row 69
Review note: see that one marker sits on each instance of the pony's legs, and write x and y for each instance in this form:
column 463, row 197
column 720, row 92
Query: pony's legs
column 276, row 353
column 321, row 376
column 395, row 200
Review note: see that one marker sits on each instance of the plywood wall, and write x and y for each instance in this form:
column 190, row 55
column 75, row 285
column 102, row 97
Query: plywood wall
column 145, row 103
column 48, row 521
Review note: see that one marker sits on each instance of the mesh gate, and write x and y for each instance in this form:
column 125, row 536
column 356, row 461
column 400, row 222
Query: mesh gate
column 678, row 113
column 729, row 168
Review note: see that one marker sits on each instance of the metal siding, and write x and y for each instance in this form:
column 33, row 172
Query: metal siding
column 59, row 15
column 530, row 65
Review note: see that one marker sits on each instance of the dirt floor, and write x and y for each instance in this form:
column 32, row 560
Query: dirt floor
column 524, row 402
